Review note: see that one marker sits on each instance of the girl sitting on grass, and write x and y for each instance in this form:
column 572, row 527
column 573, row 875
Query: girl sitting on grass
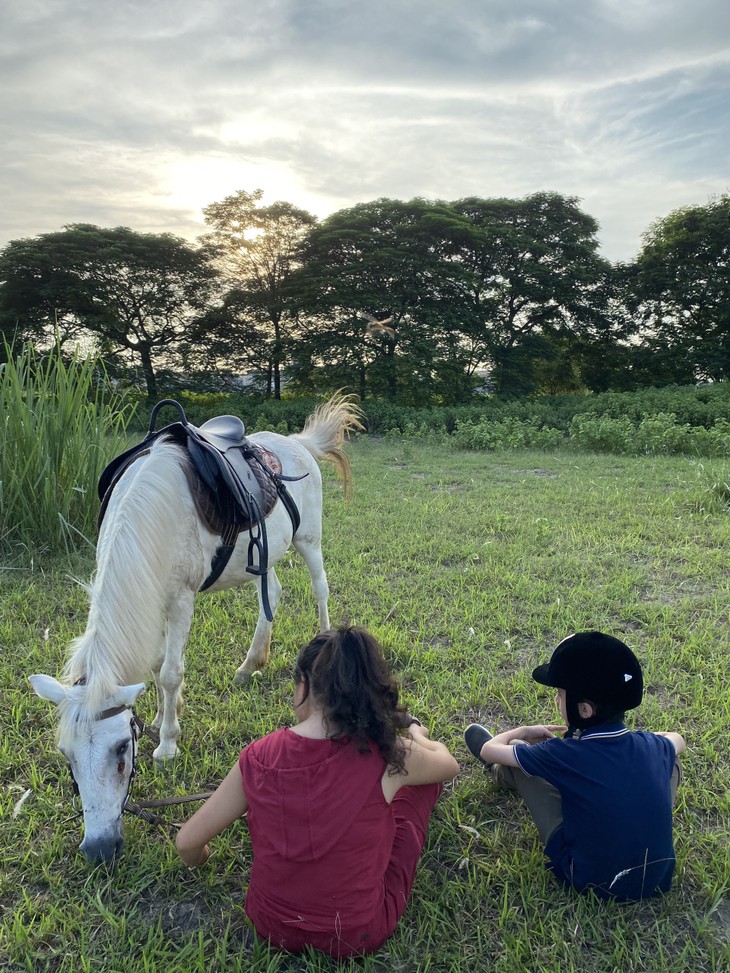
column 337, row 806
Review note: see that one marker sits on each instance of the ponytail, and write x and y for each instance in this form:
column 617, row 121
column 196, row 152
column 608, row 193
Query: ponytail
column 345, row 670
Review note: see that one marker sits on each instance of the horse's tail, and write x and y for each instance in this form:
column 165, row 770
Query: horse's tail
column 325, row 430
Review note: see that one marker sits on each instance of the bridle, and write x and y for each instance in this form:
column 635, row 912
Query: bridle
column 136, row 729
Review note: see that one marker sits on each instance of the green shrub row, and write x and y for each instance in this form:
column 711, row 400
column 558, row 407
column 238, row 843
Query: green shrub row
column 693, row 405
column 691, row 420
column 653, row 435
column 696, row 406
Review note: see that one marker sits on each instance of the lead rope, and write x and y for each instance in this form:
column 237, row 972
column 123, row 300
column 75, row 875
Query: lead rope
column 139, row 809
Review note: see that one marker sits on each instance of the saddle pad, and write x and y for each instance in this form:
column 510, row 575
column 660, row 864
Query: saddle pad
column 205, row 501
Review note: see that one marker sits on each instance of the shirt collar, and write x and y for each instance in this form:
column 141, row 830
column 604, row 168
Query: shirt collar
column 604, row 730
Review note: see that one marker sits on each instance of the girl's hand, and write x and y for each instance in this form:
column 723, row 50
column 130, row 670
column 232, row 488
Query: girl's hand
column 195, row 856
column 417, row 730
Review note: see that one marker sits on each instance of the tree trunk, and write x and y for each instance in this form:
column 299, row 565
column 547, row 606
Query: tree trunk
column 277, row 358
column 148, row 371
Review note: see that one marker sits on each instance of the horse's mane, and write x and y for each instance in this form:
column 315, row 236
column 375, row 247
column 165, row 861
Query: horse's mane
column 128, row 594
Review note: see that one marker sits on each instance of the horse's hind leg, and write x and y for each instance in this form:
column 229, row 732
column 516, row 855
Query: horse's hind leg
column 311, row 553
column 258, row 654
column 171, row 674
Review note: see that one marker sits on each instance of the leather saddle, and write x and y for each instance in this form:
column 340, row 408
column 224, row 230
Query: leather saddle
column 235, row 484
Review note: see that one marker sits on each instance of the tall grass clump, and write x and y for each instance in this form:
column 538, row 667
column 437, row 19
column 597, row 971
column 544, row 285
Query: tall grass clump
column 60, row 425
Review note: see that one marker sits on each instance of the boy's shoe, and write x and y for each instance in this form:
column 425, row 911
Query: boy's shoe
column 476, row 736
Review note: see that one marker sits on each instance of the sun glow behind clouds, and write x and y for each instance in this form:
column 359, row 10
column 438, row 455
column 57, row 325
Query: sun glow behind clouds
column 191, row 183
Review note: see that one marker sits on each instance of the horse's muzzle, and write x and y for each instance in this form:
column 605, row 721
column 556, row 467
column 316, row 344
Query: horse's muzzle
column 102, row 849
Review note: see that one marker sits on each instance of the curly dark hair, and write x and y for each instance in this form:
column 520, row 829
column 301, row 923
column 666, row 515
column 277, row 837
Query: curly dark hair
column 344, row 668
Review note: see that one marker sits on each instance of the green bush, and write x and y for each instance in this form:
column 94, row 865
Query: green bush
column 654, row 435
column 602, row 434
column 517, row 434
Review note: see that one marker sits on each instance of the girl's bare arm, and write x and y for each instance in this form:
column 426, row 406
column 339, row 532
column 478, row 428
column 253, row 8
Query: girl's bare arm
column 427, row 762
column 226, row 805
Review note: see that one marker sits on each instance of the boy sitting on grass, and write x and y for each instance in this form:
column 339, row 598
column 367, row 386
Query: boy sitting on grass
column 601, row 796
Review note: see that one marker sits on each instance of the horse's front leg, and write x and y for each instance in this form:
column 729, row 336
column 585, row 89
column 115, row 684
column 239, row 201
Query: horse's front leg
column 258, row 653
column 172, row 670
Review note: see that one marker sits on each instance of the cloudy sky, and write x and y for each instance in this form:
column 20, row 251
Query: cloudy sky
column 141, row 112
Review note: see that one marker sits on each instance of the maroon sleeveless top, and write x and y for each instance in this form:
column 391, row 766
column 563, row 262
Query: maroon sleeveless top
column 322, row 834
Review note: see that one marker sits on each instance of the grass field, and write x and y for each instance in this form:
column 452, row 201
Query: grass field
column 470, row 568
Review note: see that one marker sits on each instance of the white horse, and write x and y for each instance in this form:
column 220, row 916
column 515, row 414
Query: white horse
column 153, row 555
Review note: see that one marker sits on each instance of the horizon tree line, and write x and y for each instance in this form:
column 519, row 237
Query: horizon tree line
column 409, row 301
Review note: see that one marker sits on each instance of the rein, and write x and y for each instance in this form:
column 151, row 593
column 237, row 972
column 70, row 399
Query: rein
column 140, row 809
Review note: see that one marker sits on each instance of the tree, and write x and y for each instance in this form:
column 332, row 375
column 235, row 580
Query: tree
column 256, row 248
column 373, row 291
column 681, row 288
column 527, row 268
column 141, row 293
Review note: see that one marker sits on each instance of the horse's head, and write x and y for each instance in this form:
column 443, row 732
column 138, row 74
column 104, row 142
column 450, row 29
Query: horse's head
column 101, row 749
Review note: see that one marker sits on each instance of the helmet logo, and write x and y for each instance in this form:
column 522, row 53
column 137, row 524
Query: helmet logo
column 627, row 677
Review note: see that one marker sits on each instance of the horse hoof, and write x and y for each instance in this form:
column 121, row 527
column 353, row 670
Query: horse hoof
column 243, row 678
column 161, row 756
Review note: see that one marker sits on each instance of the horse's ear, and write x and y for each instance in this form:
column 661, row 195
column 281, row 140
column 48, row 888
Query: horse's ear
column 125, row 695
column 48, row 688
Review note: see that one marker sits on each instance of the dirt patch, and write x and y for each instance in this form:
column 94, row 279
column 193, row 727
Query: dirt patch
column 721, row 921
column 537, row 471
column 441, row 642
column 180, row 918
column 176, row 917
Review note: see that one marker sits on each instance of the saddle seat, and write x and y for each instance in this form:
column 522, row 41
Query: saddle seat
column 224, row 432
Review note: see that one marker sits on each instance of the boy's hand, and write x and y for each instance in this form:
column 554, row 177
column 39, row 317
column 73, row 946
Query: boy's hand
column 539, row 732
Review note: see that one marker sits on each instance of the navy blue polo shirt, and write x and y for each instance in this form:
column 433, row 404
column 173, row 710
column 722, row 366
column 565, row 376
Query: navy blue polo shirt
column 616, row 836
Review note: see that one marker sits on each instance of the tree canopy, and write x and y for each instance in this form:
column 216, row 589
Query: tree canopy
column 139, row 293
column 412, row 301
column 256, row 249
column 373, row 298
column 681, row 287
column 501, row 283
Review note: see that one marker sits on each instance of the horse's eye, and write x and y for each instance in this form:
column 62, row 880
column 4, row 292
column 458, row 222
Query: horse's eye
column 122, row 749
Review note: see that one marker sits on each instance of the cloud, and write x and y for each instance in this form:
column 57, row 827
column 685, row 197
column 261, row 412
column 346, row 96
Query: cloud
column 141, row 114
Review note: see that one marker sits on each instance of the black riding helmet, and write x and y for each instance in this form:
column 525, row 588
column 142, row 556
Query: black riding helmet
column 596, row 667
